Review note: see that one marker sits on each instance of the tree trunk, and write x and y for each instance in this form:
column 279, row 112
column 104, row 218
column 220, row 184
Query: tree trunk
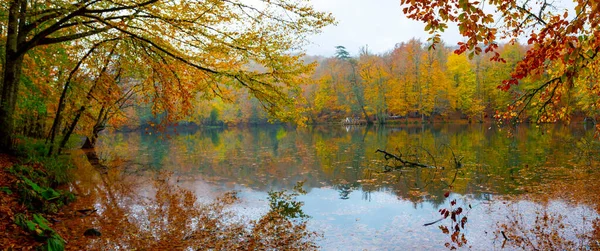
column 57, row 119
column 90, row 142
column 83, row 107
column 70, row 129
column 11, row 73
column 8, row 103
column 63, row 97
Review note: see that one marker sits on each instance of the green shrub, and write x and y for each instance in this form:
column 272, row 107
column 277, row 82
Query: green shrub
column 33, row 187
column 57, row 168
column 38, row 226
column 35, row 151
column 30, row 147
column 6, row 190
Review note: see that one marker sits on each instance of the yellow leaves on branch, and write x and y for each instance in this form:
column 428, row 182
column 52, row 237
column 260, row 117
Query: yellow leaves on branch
column 181, row 50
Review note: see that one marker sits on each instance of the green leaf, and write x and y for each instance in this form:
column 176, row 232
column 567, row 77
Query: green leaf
column 42, row 222
column 55, row 244
column 6, row 190
column 31, row 226
column 20, row 220
column 50, row 194
column 33, row 185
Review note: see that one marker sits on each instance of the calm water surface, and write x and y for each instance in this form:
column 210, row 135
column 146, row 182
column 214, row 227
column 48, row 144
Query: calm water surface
column 358, row 203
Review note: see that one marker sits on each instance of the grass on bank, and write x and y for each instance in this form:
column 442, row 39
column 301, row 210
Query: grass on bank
column 29, row 189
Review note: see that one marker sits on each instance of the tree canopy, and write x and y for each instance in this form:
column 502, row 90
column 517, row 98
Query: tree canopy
column 180, row 47
column 563, row 45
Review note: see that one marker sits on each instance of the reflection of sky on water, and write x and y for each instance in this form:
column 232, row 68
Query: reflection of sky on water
column 331, row 161
column 381, row 221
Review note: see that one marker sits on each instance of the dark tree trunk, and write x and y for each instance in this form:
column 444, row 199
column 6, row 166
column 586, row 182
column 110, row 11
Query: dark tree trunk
column 57, row 119
column 63, row 97
column 11, row 73
column 70, row 129
column 83, row 107
column 90, row 142
column 8, row 103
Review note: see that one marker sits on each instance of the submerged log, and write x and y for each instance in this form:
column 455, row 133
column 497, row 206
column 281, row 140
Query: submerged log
column 404, row 162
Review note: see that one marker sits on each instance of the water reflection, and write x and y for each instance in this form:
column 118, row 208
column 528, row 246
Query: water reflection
column 352, row 198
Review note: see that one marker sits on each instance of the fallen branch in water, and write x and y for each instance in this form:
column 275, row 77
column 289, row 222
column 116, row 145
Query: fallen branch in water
column 431, row 223
column 504, row 235
column 404, row 162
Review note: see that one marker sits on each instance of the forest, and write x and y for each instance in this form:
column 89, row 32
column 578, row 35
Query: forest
column 408, row 82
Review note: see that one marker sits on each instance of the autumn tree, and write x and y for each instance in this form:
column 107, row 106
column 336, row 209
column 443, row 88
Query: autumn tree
column 210, row 40
column 562, row 39
column 462, row 80
column 439, row 102
column 375, row 76
column 399, row 98
column 434, row 87
column 39, row 77
column 356, row 87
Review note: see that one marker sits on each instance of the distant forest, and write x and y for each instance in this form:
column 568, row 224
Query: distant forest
column 409, row 81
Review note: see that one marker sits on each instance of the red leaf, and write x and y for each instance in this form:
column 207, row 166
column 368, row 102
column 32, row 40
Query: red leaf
column 444, row 229
column 463, row 221
column 459, row 210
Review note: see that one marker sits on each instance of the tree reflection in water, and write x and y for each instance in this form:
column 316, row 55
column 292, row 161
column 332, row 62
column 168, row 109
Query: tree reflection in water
column 495, row 168
column 147, row 210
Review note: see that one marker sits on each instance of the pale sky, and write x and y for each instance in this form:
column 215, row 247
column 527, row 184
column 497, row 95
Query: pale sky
column 380, row 24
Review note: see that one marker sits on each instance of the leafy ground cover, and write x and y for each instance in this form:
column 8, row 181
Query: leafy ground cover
column 21, row 228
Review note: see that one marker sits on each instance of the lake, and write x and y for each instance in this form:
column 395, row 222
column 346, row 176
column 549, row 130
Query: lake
column 505, row 180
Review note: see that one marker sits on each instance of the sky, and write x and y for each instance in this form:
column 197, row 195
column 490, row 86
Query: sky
column 378, row 24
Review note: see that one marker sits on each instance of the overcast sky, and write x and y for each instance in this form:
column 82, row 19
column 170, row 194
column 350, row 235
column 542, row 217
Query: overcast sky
column 379, row 24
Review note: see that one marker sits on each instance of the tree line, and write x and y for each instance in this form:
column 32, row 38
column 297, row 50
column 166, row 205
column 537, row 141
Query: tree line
column 414, row 81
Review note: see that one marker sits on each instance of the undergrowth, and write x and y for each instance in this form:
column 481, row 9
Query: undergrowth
column 37, row 177
column 38, row 227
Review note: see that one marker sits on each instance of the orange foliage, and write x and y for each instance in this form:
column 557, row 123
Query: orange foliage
column 562, row 48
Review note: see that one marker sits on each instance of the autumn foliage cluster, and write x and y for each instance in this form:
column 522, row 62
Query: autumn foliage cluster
column 562, row 49
column 72, row 67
